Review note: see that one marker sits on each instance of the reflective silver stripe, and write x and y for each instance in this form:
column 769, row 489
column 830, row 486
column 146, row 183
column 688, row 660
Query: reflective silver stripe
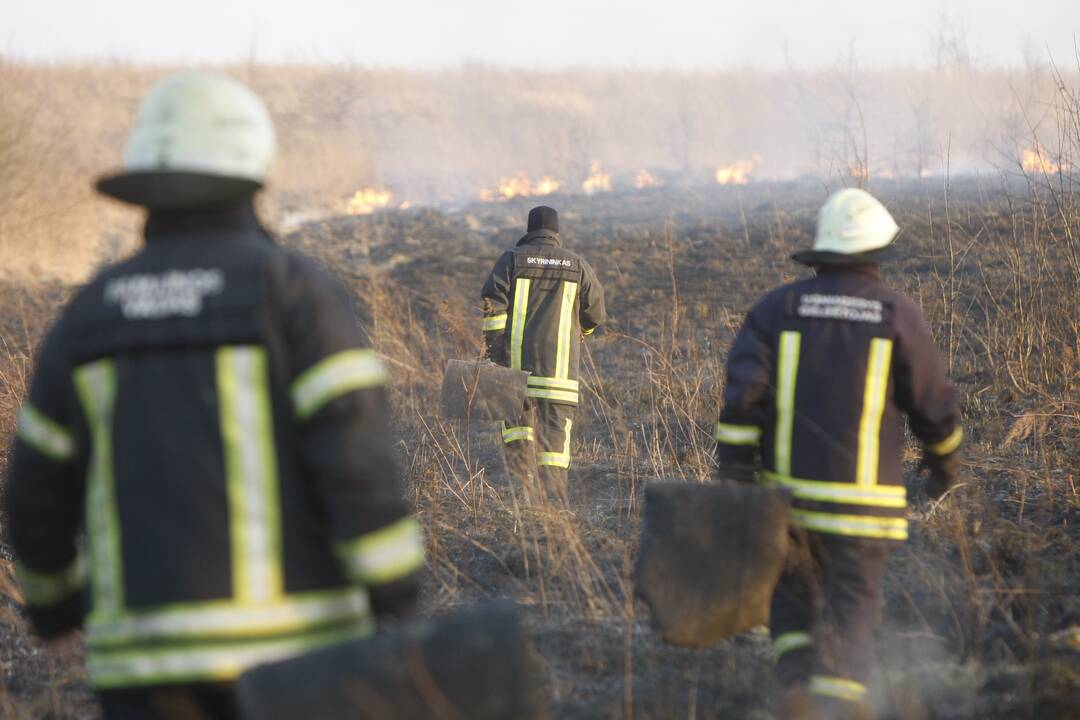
column 837, row 687
column 50, row 588
column 949, row 444
column 891, row 496
column 877, row 382
column 556, row 383
column 887, row 528
column 385, row 555
column 494, row 322
column 95, row 384
column 335, row 376
column 44, row 434
column 251, row 473
column 737, row 434
column 789, row 641
column 206, row 662
column 787, row 371
column 558, row 459
column 560, row 395
column 517, row 327
column 566, row 324
column 513, row 434
column 232, row 620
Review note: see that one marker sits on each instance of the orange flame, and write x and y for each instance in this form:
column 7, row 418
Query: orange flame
column 738, row 172
column 519, row 186
column 646, row 179
column 368, row 200
column 1034, row 161
column 598, row 180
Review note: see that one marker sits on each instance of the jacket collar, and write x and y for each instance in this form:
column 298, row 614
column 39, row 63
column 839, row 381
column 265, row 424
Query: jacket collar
column 218, row 222
column 540, row 237
column 872, row 270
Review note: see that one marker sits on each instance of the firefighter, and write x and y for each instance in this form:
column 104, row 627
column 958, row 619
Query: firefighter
column 207, row 417
column 817, row 380
column 539, row 300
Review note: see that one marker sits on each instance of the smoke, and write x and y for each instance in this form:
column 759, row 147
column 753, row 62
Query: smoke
column 443, row 137
column 363, row 140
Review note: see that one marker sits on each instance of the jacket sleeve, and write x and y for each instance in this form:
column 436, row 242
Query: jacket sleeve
column 496, row 297
column 339, row 400
column 923, row 389
column 747, row 394
column 44, row 496
column 592, row 313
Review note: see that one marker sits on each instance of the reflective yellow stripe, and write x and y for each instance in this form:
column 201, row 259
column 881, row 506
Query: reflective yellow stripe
column 222, row 620
column 385, row 555
column 559, row 395
column 337, row 375
column 891, row 496
column 790, row 641
column 95, row 384
column 837, row 687
column 851, row 525
column 207, row 662
column 877, row 382
column 737, row 434
column 521, row 432
column 44, row 434
column 588, row 332
column 495, row 322
column 247, row 435
column 556, row 383
column 556, row 459
column 786, row 372
column 566, row 324
column 50, row 588
column 949, row 444
column 517, row 328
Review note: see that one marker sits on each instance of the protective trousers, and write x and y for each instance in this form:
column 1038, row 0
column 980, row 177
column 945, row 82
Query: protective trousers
column 199, row 701
column 537, row 444
column 825, row 611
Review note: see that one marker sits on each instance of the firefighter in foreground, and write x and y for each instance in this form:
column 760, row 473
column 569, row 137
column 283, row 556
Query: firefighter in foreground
column 208, row 413
column 539, row 300
column 817, row 380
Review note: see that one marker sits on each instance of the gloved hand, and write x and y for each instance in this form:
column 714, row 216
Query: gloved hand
column 941, row 472
column 738, row 472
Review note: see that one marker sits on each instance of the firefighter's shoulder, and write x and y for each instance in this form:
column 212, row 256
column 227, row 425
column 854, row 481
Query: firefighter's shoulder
column 777, row 300
column 296, row 274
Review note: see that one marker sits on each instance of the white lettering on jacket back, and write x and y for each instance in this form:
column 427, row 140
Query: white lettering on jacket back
column 840, row 307
column 156, row 296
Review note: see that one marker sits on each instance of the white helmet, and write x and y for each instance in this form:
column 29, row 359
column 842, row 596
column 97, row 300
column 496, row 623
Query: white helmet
column 853, row 226
column 199, row 138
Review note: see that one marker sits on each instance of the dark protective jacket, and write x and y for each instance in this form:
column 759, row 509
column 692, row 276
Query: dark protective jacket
column 817, row 379
column 207, row 413
column 539, row 300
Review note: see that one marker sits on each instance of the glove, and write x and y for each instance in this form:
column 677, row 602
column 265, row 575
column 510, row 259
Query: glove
column 941, row 473
column 738, row 472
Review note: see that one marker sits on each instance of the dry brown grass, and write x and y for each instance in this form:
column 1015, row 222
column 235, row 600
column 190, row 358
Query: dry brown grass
column 979, row 604
column 442, row 136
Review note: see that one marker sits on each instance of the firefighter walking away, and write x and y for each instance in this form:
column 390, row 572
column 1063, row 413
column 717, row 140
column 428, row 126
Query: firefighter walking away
column 817, row 381
column 539, row 301
column 208, row 413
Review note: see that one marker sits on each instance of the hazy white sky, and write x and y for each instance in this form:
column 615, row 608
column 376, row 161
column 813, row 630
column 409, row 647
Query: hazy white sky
column 425, row 33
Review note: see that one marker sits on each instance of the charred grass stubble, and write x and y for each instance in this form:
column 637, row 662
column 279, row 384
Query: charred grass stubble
column 981, row 605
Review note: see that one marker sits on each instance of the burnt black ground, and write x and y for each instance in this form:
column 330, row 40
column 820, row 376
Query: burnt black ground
column 981, row 610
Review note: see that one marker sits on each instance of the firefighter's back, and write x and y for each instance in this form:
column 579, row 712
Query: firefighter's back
column 209, row 413
column 544, row 328
column 200, row 527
